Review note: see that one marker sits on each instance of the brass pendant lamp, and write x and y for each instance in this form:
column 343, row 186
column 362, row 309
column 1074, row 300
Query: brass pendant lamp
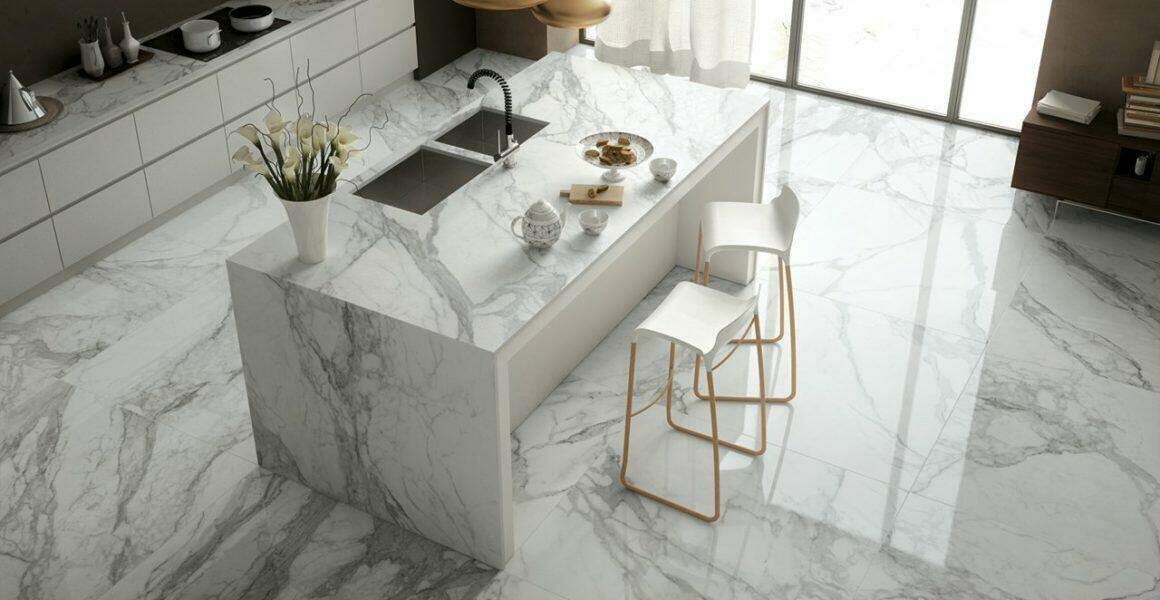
column 565, row 14
column 572, row 14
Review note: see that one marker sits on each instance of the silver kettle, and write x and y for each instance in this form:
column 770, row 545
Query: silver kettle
column 18, row 105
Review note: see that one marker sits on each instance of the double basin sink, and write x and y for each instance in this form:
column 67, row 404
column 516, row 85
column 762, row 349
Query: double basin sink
column 430, row 174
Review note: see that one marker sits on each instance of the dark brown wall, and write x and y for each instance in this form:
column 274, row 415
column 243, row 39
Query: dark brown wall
column 1089, row 45
column 518, row 32
column 39, row 37
column 444, row 31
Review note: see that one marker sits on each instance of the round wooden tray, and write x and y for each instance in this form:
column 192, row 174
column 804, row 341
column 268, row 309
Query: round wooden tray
column 52, row 109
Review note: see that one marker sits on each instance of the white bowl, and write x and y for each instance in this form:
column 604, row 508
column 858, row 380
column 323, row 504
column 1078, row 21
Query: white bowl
column 663, row 169
column 593, row 221
column 201, row 35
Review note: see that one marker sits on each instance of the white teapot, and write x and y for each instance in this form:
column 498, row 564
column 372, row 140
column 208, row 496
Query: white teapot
column 541, row 225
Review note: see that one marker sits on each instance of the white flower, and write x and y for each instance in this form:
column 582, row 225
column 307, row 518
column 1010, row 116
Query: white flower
column 274, row 122
column 337, row 163
column 345, row 136
column 249, row 132
column 319, row 138
column 258, row 168
column 288, row 173
column 292, row 158
column 305, row 128
column 245, row 155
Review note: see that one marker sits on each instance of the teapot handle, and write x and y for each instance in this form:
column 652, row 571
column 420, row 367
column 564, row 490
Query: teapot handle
column 518, row 235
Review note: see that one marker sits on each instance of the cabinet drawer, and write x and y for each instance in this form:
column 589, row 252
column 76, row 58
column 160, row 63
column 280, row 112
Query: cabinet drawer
column 22, row 198
column 28, row 259
column 87, row 163
column 325, row 45
column 243, row 85
column 378, row 20
column 334, row 91
column 178, row 118
column 1067, row 166
column 389, row 61
column 1136, row 198
column 186, row 172
column 102, row 218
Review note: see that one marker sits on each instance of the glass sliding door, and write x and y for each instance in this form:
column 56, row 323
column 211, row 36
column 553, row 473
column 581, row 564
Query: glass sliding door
column 1003, row 61
column 900, row 52
column 771, row 37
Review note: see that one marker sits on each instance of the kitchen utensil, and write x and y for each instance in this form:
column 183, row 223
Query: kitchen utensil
column 130, row 47
column 541, row 225
column 639, row 144
column 201, row 35
column 613, row 196
column 663, row 169
column 19, row 105
column 251, row 18
column 593, row 221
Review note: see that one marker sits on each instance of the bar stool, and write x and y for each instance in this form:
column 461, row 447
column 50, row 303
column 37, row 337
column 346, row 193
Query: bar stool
column 750, row 227
column 706, row 321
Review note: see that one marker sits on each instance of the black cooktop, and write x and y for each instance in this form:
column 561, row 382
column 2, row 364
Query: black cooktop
column 170, row 41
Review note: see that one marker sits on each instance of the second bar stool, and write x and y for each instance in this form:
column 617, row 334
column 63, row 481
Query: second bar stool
column 750, row 227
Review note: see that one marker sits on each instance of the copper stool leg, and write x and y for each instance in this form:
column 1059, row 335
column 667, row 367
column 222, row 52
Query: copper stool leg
column 792, row 350
column 716, row 442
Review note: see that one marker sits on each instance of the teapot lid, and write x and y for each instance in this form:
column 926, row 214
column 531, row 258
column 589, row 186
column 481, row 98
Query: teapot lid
column 541, row 208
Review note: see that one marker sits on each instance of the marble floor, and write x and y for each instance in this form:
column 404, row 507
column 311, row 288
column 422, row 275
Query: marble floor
column 978, row 413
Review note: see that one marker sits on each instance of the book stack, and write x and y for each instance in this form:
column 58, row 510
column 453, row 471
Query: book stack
column 1140, row 116
column 1065, row 106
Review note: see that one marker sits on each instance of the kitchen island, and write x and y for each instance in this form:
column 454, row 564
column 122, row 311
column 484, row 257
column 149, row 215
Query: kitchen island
column 390, row 376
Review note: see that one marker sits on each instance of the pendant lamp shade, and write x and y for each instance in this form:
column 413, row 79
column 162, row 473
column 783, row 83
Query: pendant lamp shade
column 499, row 4
column 572, row 14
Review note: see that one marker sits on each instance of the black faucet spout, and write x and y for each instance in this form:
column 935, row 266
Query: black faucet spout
column 507, row 94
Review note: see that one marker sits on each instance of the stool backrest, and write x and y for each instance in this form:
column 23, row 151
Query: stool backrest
column 733, row 330
column 786, row 210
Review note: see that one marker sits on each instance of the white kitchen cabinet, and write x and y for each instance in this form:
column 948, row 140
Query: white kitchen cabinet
column 22, row 199
column 325, row 45
column 102, row 218
column 177, row 177
column 243, row 85
column 178, row 118
column 90, row 162
column 334, row 90
column 378, row 20
column 28, row 259
column 389, row 61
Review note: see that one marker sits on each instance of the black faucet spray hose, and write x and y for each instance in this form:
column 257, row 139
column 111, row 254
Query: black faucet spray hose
column 507, row 94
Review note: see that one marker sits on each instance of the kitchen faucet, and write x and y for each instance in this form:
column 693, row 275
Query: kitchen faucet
column 501, row 152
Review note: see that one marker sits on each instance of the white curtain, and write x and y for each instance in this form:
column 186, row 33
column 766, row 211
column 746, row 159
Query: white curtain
column 706, row 40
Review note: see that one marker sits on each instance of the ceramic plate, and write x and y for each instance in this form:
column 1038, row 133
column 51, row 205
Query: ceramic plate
column 639, row 144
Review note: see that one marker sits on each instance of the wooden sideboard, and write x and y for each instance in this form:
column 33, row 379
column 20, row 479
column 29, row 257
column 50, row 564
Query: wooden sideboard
column 1089, row 164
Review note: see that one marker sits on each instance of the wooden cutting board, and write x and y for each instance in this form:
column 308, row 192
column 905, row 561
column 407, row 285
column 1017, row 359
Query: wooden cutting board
column 613, row 196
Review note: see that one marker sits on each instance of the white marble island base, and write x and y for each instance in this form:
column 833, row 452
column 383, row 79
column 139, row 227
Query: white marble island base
column 390, row 376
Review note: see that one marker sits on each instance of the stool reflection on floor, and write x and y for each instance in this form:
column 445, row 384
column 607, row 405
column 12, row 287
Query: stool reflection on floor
column 706, row 321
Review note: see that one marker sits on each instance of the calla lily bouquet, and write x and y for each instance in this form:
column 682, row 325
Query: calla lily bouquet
column 302, row 159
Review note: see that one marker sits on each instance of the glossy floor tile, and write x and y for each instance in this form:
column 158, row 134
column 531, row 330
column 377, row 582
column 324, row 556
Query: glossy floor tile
column 977, row 414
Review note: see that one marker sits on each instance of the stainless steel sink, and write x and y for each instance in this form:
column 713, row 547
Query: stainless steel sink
column 423, row 179
column 480, row 131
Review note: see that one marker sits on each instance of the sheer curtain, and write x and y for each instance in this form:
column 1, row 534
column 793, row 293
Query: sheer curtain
column 706, row 40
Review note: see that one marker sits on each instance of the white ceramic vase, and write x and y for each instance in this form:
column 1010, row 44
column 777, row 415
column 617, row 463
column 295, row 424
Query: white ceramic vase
column 91, row 59
column 130, row 47
column 308, row 221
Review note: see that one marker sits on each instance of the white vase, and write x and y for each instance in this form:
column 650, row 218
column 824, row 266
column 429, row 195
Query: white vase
column 130, row 47
column 91, row 59
column 308, row 221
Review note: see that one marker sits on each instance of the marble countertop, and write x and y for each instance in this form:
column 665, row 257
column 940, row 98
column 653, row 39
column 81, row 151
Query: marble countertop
column 458, row 270
column 89, row 104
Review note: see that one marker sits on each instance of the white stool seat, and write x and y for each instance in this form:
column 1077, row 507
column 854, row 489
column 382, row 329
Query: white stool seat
column 702, row 318
column 743, row 226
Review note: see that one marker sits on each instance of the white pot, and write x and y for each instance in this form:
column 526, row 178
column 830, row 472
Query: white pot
column 201, row 35
column 308, row 221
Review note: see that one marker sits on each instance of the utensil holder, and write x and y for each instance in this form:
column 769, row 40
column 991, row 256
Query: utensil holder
column 91, row 59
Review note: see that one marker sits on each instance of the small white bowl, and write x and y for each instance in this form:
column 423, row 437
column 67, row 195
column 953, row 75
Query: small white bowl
column 593, row 221
column 662, row 169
